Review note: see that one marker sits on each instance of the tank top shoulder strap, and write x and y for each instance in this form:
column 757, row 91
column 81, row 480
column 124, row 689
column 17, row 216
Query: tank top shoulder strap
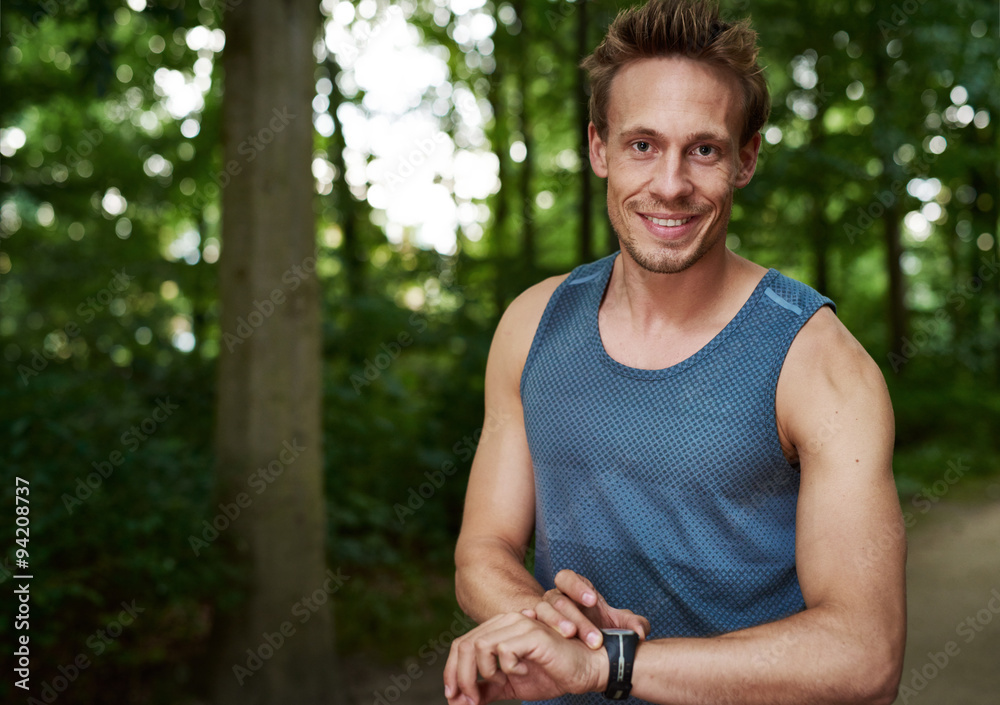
column 578, row 295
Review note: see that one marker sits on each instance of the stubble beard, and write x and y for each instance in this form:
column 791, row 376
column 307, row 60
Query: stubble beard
column 667, row 259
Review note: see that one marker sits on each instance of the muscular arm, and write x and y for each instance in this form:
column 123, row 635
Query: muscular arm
column 847, row 646
column 490, row 577
column 833, row 412
column 499, row 516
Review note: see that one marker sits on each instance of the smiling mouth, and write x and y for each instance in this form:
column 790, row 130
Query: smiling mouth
column 666, row 222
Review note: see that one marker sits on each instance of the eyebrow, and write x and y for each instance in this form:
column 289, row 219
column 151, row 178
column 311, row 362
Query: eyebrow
column 704, row 136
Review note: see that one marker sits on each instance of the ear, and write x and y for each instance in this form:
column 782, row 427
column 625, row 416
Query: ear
column 598, row 152
column 748, row 161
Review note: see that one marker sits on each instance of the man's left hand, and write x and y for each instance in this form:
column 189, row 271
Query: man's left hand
column 520, row 658
column 576, row 608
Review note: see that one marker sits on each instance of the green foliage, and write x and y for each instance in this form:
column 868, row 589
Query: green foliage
column 111, row 529
column 88, row 352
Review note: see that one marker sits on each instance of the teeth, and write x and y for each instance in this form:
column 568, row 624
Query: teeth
column 669, row 223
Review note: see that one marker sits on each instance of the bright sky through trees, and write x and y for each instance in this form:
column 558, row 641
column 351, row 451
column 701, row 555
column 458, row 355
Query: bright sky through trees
column 422, row 183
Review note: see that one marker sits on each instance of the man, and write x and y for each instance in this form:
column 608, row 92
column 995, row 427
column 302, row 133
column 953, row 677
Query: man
column 701, row 448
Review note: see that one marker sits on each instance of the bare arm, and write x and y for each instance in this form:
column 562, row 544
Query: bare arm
column 499, row 516
column 846, row 646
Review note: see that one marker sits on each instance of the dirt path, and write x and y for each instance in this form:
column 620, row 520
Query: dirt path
column 953, row 577
column 953, row 582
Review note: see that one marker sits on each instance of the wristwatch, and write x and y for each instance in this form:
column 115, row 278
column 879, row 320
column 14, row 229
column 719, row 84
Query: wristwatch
column 621, row 645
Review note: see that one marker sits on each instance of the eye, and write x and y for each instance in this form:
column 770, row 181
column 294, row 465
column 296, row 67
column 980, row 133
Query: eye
column 706, row 150
column 642, row 146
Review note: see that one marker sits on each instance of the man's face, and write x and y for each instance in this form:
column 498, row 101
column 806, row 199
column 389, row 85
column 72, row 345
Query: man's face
column 672, row 159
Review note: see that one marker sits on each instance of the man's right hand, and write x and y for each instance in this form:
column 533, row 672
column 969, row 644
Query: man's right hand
column 576, row 608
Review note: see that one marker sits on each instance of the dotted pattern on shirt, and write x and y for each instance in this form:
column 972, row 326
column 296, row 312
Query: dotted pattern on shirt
column 667, row 488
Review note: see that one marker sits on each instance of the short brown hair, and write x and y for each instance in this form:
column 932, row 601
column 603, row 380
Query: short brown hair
column 690, row 28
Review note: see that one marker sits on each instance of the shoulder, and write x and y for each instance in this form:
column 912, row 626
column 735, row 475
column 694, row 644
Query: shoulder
column 527, row 309
column 825, row 348
column 519, row 323
column 795, row 295
column 828, row 371
column 516, row 330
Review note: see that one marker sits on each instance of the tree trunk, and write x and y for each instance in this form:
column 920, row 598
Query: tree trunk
column 273, row 648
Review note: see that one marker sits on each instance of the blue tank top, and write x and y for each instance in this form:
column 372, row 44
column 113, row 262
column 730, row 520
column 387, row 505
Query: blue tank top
column 667, row 488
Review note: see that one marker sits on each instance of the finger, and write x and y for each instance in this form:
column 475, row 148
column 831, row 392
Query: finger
column 466, row 672
column 517, row 654
column 451, row 670
column 547, row 614
column 461, row 699
column 577, row 587
column 585, row 629
column 478, row 654
column 508, row 648
column 530, row 614
column 627, row 619
column 637, row 623
column 486, row 645
column 486, row 660
column 641, row 626
column 509, row 661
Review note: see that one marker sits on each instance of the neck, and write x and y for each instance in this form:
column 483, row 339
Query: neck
column 682, row 300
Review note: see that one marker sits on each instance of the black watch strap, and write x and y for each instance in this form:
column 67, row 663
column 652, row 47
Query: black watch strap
column 621, row 645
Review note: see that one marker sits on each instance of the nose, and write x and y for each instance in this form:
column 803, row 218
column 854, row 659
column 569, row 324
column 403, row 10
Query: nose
column 671, row 178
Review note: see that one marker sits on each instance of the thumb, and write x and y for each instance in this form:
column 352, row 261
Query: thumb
column 638, row 624
column 577, row 588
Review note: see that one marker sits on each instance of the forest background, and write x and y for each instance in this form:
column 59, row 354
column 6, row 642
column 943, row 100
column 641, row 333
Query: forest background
column 446, row 171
